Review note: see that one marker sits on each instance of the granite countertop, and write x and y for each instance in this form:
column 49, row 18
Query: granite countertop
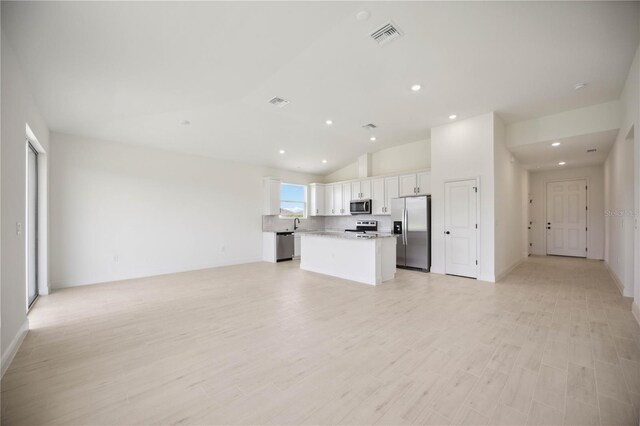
column 349, row 235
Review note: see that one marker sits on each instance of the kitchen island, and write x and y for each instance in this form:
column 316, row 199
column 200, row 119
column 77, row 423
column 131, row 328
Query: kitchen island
column 366, row 258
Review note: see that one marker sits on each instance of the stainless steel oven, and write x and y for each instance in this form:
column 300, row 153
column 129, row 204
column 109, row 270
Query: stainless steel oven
column 360, row 207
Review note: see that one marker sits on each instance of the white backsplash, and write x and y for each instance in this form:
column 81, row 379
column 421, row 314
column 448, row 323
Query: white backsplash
column 329, row 223
column 275, row 224
column 340, row 223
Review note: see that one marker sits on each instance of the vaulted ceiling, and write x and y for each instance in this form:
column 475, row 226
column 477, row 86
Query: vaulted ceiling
column 134, row 71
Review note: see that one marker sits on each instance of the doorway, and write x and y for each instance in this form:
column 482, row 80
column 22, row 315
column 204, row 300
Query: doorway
column 567, row 218
column 32, row 225
column 461, row 228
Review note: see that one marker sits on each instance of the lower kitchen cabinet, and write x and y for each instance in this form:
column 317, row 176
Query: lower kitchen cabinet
column 296, row 245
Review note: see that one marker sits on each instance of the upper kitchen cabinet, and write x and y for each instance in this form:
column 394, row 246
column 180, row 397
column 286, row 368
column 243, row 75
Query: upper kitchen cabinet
column 361, row 190
column 316, row 199
column 391, row 191
column 271, row 196
column 424, row 183
column 415, row 184
column 337, row 199
column 377, row 196
column 408, row 185
column 346, row 199
column 383, row 190
column 328, row 200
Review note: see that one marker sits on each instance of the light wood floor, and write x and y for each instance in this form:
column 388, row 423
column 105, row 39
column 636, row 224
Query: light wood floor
column 553, row 343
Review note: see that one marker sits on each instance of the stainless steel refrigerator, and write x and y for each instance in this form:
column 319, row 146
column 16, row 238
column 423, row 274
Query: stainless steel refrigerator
column 411, row 217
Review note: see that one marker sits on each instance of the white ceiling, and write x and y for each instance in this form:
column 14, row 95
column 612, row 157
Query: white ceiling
column 573, row 151
column 132, row 71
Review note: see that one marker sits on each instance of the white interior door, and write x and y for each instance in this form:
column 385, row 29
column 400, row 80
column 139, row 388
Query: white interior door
column 567, row 218
column 461, row 233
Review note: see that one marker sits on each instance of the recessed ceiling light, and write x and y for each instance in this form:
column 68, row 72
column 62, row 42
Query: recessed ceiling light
column 372, row 138
column 416, row 87
column 185, row 122
column 555, row 144
column 324, row 161
column 282, row 151
column 329, row 122
column 452, row 117
column 363, row 15
column 579, row 86
column 562, row 163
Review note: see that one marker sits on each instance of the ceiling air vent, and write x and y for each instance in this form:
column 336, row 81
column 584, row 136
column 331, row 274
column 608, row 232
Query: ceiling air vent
column 279, row 102
column 369, row 126
column 386, row 33
column 592, row 150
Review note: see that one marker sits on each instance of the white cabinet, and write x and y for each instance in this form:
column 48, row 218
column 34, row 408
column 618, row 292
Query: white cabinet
column 408, row 185
column 391, row 191
column 377, row 196
column 334, row 199
column 415, row 184
column 296, row 245
column 424, row 183
column 316, row 199
column 361, row 190
column 346, row 199
column 383, row 190
column 271, row 196
column 337, row 199
column 328, row 200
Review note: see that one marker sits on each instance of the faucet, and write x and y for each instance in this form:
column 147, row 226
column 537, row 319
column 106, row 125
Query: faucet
column 296, row 222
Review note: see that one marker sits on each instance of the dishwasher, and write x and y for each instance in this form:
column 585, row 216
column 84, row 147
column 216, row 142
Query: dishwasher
column 284, row 246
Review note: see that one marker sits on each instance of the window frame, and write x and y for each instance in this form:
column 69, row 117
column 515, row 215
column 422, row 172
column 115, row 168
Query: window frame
column 305, row 201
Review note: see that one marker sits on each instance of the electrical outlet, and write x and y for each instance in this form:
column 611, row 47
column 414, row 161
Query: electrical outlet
column 18, row 228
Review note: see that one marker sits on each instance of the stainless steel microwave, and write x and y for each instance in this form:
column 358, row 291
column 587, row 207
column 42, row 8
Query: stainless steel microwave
column 360, row 207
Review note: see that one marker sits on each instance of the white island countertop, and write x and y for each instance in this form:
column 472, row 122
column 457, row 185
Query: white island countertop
column 348, row 235
column 367, row 258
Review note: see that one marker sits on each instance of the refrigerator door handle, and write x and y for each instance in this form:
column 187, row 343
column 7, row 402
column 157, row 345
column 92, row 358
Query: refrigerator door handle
column 405, row 217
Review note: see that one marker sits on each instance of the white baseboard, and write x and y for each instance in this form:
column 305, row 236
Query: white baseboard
column 506, row 272
column 487, row 277
column 615, row 278
column 635, row 310
column 151, row 274
column 13, row 347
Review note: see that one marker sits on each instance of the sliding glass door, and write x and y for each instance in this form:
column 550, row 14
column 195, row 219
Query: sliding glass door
column 32, row 225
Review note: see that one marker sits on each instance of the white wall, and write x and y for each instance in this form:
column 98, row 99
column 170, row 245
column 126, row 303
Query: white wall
column 461, row 150
column 622, row 183
column 348, row 172
column 619, row 212
column 508, row 204
column 575, row 122
column 402, row 158
column 120, row 211
column 595, row 204
column 18, row 109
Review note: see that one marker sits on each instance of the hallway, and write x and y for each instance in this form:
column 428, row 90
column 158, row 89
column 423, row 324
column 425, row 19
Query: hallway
column 552, row 343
